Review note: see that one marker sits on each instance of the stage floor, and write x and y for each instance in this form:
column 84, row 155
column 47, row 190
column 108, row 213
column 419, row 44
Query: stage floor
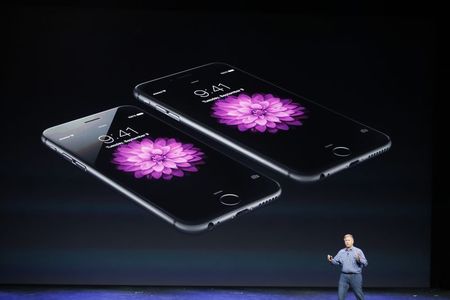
column 207, row 293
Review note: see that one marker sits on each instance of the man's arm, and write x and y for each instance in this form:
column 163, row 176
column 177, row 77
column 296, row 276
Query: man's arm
column 361, row 259
column 337, row 259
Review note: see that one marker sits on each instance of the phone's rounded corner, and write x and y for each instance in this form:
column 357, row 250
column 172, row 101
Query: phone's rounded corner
column 279, row 189
column 304, row 177
column 46, row 133
column 127, row 106
column 44, row 138
column 386, row 139
column 193, row 228
column 388, row 143
column 137, row 91
column 218, row 63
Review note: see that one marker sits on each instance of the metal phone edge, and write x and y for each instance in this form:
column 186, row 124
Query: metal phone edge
column 110, row 182
column 283, row 170
column 188, row 228
column 354, row 161
column 230, row 215
column 262, row 160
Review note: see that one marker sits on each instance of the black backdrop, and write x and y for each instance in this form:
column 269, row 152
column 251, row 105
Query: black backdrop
column 62, row 226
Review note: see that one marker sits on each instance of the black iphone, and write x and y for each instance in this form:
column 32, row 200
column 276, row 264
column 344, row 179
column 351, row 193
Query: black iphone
column 173, row 175
column 286, row 132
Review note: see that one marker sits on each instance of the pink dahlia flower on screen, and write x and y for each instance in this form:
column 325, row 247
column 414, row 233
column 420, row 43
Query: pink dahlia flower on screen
column 161, row 158
column 259, row 112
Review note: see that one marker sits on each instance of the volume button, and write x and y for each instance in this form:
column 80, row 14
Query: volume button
column 79, row 165
column 173, row 116
column 66, row 156
column 160, row 108
column 74, row 161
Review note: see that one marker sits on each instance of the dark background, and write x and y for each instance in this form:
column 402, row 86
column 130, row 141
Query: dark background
column 60, row 226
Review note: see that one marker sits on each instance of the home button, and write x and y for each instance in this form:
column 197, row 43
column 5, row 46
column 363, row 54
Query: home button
column 229, row 199
column 341, row 151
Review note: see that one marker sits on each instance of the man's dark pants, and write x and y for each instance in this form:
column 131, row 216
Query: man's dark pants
column 350, row 280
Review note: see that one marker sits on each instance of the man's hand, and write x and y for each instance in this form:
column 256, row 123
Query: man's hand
column 358, row 257
column 329, row 257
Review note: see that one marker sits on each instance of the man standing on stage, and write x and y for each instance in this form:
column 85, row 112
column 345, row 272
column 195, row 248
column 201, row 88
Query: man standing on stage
column 352, row 260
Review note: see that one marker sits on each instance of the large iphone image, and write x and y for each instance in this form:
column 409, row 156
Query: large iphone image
column 279, row 129
column 178, row 178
